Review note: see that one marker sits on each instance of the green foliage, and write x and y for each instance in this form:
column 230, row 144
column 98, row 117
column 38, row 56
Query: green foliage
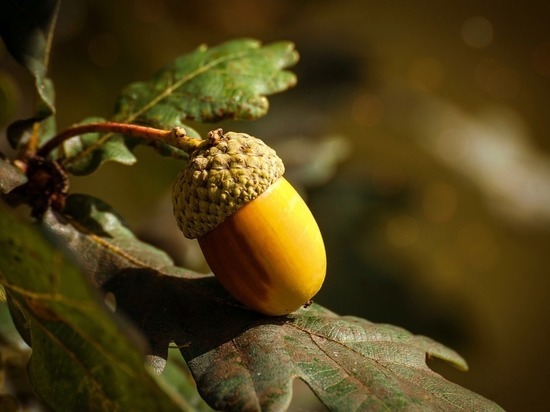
column 27, row 30
column 91, row 150
column 56, row 284
column 229, row 81
column 225, row 82
column 10, row 177
column 349, row 363
column 100, row 242
column 76, row 342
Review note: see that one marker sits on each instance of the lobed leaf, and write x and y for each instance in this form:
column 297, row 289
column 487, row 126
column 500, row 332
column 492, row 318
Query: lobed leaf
column 27, row 29
column 230, row 81
column 350, row 364
column 78, row 347
column 104, row 248
column 98, row 240
column 91, row 150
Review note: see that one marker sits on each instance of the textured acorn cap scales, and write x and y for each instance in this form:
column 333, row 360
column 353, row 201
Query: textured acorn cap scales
column 222, row 175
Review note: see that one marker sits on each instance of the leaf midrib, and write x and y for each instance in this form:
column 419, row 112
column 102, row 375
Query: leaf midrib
column 380, row 364
column 169, row 90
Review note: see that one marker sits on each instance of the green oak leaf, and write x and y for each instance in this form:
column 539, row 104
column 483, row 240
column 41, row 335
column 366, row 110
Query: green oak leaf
column 99, row 240
column 349, row 363
column 91, row 150
column 81, row 155
column 229, row 81
column 83, row 357
column 27, row 30
column 104, row 248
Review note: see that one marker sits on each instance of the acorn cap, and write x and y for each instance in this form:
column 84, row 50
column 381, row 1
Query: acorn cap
column 222, row 175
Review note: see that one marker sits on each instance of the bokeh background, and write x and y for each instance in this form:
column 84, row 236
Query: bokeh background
column 418, row 133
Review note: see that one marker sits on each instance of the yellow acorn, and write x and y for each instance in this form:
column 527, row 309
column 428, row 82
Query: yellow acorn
column 257, row 234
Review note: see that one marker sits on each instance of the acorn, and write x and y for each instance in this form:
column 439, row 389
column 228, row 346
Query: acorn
column 257, row 234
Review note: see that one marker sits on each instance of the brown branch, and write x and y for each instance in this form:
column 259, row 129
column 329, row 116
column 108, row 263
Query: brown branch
column 175, row 137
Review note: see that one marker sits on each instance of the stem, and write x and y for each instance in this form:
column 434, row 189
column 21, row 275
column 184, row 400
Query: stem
column 175, row 137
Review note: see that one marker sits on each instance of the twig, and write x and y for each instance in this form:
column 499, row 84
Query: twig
column 175, row 137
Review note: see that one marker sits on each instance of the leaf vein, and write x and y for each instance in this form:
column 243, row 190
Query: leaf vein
column 72, row 354
column 169, row 90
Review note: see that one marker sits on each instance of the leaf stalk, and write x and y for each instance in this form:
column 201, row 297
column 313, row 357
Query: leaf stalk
column 176, row 137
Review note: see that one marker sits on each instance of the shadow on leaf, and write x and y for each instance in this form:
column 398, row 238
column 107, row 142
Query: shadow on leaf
column 245, row 361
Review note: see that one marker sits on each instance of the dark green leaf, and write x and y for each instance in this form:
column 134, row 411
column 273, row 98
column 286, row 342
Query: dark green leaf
column 350, row 363
column 91, row 150
column 104, row 248
column 9, row 335
column 102, row 245
column 27, row 30
column 14, row 356
column 83, row 358
column 10, row 177
column 81, row 155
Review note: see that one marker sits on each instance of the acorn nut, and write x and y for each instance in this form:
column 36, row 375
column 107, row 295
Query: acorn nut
column 257, row 234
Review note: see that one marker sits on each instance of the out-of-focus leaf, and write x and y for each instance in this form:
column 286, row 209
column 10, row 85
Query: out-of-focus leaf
column 230, row 81
column 312, row 161
column 178, row 376
column 10, row 177
column 348, row 362
column 27, row 28
column 9, row 335
column 103, row 247
column 14, row 357
column 83, row 358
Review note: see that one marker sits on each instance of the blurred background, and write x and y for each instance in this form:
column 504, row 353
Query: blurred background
column 418, row 133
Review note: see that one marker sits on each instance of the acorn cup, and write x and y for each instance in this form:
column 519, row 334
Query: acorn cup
column 258, row 236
